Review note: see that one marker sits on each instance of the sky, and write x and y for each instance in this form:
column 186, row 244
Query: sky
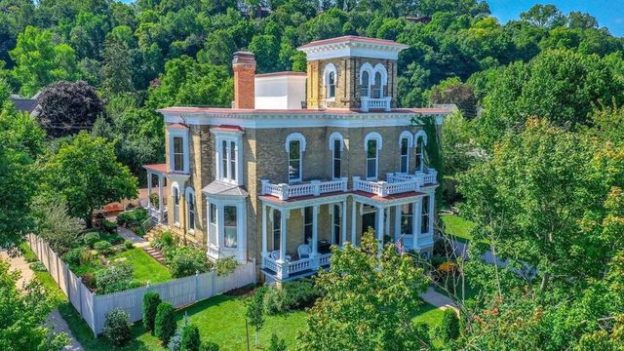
column 609, row 13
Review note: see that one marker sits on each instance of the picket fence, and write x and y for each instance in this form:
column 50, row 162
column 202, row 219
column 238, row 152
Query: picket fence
column 179, row 292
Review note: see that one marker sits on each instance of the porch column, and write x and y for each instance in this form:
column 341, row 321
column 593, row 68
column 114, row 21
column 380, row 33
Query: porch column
column 264, row 233
column 416, row 221
column 387, row 216
column 283, row 227
column 314, row 255
column 353, row 220
column 343, row 223
column 431, row 212
column 380, row 227
column 149, row 192
column 397, row 221
column 161, row 207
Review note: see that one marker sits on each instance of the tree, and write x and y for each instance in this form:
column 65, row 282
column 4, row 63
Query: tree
column 68, row 107
column 190, row 338
column 544, row 16
column 54, row 225
column 255, row 312
column 117, row 69
column 165, row 325
column 24, row 313
column 368, row 301
column 151, row 300
column 277, row 344
column 39, row 61
column 86, row 172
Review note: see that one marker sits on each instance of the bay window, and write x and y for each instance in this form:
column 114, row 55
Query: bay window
column 230, row 226
column 407, row 216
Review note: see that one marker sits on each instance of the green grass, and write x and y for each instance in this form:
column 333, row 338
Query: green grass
column 428, row 314
column 145, row 267
column 457, row 226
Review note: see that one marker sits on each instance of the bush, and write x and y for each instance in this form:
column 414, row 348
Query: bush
column 449, row 327
column 116, row 277
column 300, row 294
column 89, row 281
column 175, row 343
column 226, row 266
column 151, row 300
column 72, row 256
column 117, row 327
column 91, row 238
column 103, row 247
column 37, row 267
column 274, row 301
column 132, row 218
column 163, row 240
column 164, row 324
column 186, row 261
column 277, row 344
column 128, row 244
column 108, row 226
column 209, row 346
column 190, row 338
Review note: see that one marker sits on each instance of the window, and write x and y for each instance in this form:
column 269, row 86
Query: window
column 337, row 147
column 424, row 223
column 294, row 161
column 178, row 154
column 176, row 204
column 377, row 87
column 371, row 159
column 308, row 220
column 230, row 230
column 212, row 208
column 277, row 219
column 336, row 225
column 420, row 154
column 407, row 215
column 404, row 155
column 364, row 83
column 190, row 205
column 228, row 171
column 331, row 85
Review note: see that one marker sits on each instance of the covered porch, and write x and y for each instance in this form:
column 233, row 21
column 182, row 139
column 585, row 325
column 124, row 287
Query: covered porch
column 297, row 234
column 156, row 202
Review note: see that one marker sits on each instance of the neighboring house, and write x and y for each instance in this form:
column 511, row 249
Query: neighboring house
column 23, row 104
column 300, row 162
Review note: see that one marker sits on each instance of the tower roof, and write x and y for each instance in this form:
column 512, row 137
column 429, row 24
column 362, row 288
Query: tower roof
column 352, row 46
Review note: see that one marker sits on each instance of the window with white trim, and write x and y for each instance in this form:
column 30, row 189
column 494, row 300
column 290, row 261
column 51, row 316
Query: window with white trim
column 295, row 146
column 178, row 154
column 424, row 222
column 277, row 223
column 336, row 158
column 178, row 150
column 404, row 155
column 307, row 224
column 364, row 83
column 212, row 230
column 371, row 159
column 330, row 77
column 230, row 227
column 407, row 216
column 190, row 208
column 176, row 204
column 336, row 225
column 420, row 154
column 377, row 89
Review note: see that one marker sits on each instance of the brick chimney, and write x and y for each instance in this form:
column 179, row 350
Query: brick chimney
column 244, row 66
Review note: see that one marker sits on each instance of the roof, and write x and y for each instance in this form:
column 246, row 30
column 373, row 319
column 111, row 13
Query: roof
column 224, row 189
column 156, row 167
column 176, row 126
column 24, row 104
column 353, row 39
column 282, row 74
column 226, row 128
column 324, row 112
column 388, row 197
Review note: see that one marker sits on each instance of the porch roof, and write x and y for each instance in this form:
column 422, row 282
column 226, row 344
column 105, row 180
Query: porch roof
column 218, row 188
column 156, row 168
column 389, row 200
column 302, row 201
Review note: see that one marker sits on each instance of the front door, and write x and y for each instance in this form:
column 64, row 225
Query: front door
column 368, row 221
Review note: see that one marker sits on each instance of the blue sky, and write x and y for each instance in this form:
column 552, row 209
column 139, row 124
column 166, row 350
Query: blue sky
column 609, row 13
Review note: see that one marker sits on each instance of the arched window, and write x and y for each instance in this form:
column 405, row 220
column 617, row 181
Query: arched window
column 336, row 146
column 421, row 142
column 190, row 208
column 329, row 80
column 377, row 87
column 405, row 142
column 372, row 145
column 295, row 146
column 364, row 83
column 175, row 190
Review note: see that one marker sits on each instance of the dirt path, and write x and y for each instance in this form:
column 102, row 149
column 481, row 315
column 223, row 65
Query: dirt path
column 18, row 263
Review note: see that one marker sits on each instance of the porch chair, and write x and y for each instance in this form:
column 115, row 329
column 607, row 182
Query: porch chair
column 275, row 255
column 304, row 251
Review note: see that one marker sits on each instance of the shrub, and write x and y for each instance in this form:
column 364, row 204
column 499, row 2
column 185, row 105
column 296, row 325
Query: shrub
column 277, row 344
column 37, row 267
column 151, row 300
column 72, row 256
column 162, row 240
column 175, row 343
column 226, row 266
column 128, row 244
column 116, row 277
column 117, row 327
column 89, row 281
column 103, row 247
column 300, row 294
column 209, row 346
column 108, row 226
column 164, row 324
column 133, row 217
column 190, row 338
column 449, row 327
column 91, row 238
column 186, row 261
column 274, row 301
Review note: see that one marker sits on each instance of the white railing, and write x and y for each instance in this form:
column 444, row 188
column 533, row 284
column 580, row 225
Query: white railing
column 369, row 103
column 285, row 269
column 383, row 189
column 427, row 176
column 324, row 259
column 314, row 188
column 430, row 175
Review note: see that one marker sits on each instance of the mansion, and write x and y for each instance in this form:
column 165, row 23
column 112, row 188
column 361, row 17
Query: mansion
column 300, row 162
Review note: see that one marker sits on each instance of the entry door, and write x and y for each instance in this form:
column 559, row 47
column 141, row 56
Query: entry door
column 368, row 220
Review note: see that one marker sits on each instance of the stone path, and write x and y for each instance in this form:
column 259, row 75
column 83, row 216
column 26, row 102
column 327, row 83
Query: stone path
column 129, row 235
column 437, row 299
column 54, row 320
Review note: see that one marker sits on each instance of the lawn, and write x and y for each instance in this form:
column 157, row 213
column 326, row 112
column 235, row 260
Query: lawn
column 145, row 268
column 428, row 314
column 457, row 226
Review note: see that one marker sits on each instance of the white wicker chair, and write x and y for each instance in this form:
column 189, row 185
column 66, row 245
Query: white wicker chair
column 304, row 251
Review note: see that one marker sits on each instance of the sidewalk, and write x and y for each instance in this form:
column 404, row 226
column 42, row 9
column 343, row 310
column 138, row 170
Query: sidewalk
column 437, row 299
column 135, row 239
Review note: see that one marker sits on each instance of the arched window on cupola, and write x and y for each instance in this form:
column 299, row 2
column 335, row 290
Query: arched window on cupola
column 329, row 81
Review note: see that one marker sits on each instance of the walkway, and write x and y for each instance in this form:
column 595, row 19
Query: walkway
column 437, row 299
column 127, row 234
column 54, row 320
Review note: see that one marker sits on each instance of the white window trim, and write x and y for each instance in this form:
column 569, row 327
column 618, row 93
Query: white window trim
column 384, row 73
column 302, row 147
column 218, row 250
column 329, row 68
column 420, row 134
column 187, row 195
column 237, row 138
column 410, row 144
column 176, row 187
column 335, row 136
column 377, row 137
column 368, row 68
column 184, row 134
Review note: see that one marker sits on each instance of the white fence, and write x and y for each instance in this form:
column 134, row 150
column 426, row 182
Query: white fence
column 179, row 292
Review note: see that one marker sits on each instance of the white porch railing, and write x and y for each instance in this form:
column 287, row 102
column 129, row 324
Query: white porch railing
column 369, row 103
column 285, row 269
column 430, row 175
column 391, row 187
column 314, row 188
column 427, row 176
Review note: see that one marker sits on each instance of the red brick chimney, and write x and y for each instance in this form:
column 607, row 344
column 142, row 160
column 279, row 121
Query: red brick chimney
column 244, row 66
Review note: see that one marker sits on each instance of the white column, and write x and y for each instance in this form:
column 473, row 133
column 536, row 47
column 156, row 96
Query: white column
column 219, row 225
column 264, row 232
column 149, row 190
column 353, row 220
column 161, row 207
column 431, row 212
column 387, row 220
column 283, row 226
column 397, row 221
column 314, row 255
column 416, row 221
column 343, row 222
column 380, row 227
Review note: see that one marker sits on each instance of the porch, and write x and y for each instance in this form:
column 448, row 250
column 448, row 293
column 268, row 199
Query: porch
column 156, row 202
column 397, row 183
